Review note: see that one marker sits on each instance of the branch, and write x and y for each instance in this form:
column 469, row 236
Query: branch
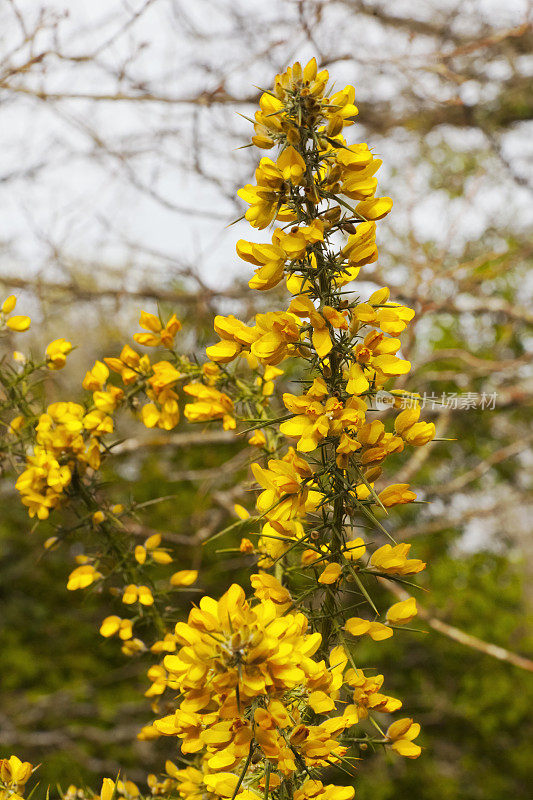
column 481, row 468
column 180, row 440
column 144, row 292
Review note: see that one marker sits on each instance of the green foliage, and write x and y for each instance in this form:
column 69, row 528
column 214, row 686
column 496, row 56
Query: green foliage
column 474, row 710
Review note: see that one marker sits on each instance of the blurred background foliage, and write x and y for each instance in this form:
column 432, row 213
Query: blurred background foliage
column 119, row 171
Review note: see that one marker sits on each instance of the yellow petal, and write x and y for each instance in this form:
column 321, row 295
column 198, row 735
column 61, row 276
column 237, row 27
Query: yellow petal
column 406, row 748
column 330, row 574
column 374, row 208
column 108, row 789
column 357, row 383
column 403, row 612
column 110, row 626
column 357, row 626
column 140, row 554
column 320, row 702
column 224, row 351
column 9, row 304
column 18, row 323
column 185, row 577
column 322, row 342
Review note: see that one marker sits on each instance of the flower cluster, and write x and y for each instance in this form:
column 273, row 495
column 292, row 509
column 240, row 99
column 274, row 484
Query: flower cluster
column 66, row 441
column 248, row 682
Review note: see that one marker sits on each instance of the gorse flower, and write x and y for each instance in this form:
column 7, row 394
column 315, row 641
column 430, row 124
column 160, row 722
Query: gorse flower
column 57, row 352
column 14, row 774
column 17, row 323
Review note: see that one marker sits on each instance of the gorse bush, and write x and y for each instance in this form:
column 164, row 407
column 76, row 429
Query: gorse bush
column 262, row 689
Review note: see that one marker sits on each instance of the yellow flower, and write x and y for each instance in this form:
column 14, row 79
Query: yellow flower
column 357, row 382
column 210, row 404
column 275, row 334
column 9, row 304
column 57, row 352
column 164, row 412
column 359, row 250
column 303, row 307
column 376, row 357
column 114, row 624
column 164, row 376
column 16, row 424
column 222, row 784
column 269, row 340
column 82, row 577
column 257, row 439
column 128, row 789
column 393, row 560
column 396, row 494
column 374, row 208
column 285, row 496
column 313, row 420
column 267, row 587
column 390, row 317
column 376, row 630
column 320, row 702
column 190, row 781
column 18, row 323
column 109, row 399
column 96, row 377
column 98, row 422
column 241, row 512
column 14, row 773
column 132, row 647
column 185, row 577
column 330, row 574
column 291, row 165
column 367, row 695
column 270, row 259
column 148, row 733
column 359, row 183
column 377, row 443
column 108, row 789
column 271, row 192
column 354, row 549
column 130, row 365
column 50, row 542
column 141, row 594
column 401, row 733
column 297, row 80
column 403, row 612
column 231, row 653
column 151, row 548
column 414, row 432
column 315, row 790
column 165, row 645
column 157, row 333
